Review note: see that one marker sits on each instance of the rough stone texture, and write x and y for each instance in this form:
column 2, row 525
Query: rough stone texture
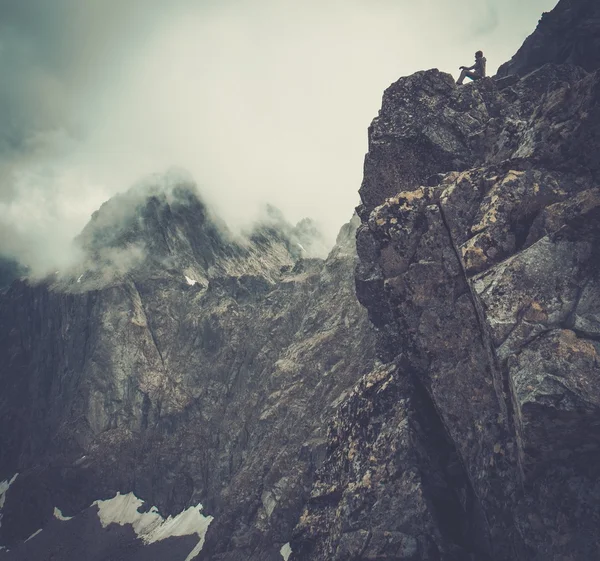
column 568, row 34
column 251, row 385
column 119, row 375
column 479, row 264
column 392, row 487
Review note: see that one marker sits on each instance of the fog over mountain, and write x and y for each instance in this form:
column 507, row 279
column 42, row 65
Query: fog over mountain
column 188, row 379
column 261, row 101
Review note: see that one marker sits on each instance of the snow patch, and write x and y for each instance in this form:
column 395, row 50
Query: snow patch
column 123, row 509
column 150, row 526
column 79, row 461
column 190, row 281
column 60, row 516
column 4, row 486
column 286, row 551
column 33, row 535
column 80, row 277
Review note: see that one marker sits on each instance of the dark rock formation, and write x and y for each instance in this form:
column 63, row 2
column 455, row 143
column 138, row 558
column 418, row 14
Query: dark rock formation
column 569, row 34
column 189, row 366
column 479, row 264
column 181, row 364
column 9, row 271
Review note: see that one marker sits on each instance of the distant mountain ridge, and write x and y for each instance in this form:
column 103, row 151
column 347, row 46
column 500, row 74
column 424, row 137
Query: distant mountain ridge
column 427, row 392
column 179, row 364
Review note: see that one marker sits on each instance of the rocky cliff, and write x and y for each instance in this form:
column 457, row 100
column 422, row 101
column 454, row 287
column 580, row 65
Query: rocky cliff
column 178, row 364
column 185, row 393
column 569, row 34
column 479, row 264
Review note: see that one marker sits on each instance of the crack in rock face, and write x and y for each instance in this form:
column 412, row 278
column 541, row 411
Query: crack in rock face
column 479, row 267
column 428, row 391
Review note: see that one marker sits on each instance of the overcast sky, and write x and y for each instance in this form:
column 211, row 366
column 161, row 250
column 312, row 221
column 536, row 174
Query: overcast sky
column 262, row 101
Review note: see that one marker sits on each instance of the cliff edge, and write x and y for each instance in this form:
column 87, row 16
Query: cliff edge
column 479, row 264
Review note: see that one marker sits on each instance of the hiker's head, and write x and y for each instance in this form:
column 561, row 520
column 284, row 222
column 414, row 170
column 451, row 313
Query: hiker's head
column 478, row 54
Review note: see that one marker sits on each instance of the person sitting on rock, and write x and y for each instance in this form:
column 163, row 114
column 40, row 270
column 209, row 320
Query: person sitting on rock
column 475, row 72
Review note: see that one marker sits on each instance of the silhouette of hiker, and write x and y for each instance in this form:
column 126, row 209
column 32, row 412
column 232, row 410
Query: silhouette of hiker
column 475, row 72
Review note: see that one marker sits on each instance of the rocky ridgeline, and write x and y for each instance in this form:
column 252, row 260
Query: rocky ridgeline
column 479, row 263
column 568, row 34
column 191, row 369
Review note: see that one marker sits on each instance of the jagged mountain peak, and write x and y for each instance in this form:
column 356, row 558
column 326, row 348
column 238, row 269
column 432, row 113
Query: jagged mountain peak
column 162, row 215
column 161, row 227
column 254, row 395
column 222, row 389
column 305, row 239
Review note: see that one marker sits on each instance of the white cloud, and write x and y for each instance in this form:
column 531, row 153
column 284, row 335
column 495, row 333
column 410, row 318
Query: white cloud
column 263, row 101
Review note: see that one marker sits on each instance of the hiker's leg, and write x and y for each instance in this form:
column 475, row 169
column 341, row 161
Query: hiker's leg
column 463, row 74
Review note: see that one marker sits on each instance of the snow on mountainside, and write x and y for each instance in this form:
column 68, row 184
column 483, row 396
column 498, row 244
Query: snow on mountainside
column 181, row 364
column 454, row 417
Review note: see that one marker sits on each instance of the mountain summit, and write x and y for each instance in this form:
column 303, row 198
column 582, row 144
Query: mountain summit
column 428, row 392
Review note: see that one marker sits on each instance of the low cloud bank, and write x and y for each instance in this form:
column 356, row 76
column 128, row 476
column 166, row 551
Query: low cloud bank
column 264, row 102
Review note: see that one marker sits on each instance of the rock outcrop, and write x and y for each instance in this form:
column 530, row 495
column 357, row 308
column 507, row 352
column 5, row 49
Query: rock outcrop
column 569, row 34
column 479, row 264
column 185, row 393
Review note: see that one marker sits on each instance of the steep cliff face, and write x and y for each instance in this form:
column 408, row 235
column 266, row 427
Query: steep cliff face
column 479, row 264
column 185, row 393
column 180, row 365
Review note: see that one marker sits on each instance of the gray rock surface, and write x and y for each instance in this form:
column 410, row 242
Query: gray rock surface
column 568, row 34
column 479, row 265
column 454, row 417
column 182, row 364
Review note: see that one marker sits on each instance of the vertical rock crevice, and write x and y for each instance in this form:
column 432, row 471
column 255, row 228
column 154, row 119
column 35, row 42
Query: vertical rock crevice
column 455, row 505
